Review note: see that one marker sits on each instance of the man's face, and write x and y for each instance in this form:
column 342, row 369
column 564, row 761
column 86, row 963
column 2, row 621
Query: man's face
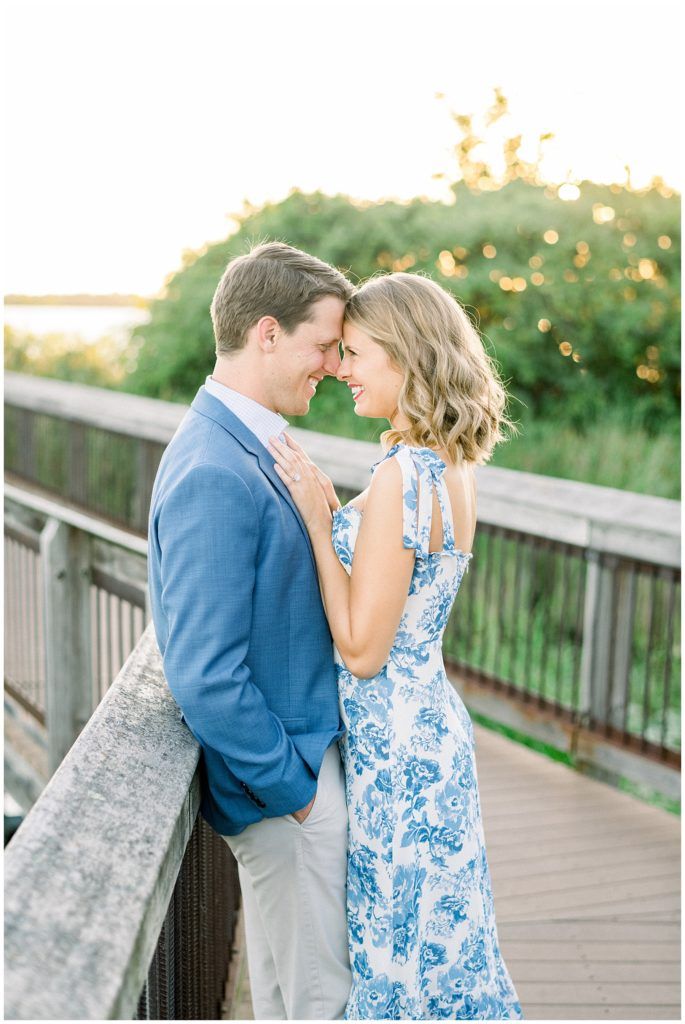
column 306, row 356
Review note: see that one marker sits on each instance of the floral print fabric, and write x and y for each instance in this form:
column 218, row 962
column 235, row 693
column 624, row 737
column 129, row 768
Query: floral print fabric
column 422, row 934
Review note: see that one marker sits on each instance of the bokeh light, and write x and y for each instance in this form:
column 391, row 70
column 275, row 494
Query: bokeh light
column 569, row 192
column 602, row 214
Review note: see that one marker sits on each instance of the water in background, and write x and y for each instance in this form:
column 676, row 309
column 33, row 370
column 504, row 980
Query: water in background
column 88, row 323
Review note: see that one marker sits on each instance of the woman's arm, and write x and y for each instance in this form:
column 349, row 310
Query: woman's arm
column 364, row 609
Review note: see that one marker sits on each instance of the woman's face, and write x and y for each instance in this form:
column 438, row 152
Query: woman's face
column 373, row 380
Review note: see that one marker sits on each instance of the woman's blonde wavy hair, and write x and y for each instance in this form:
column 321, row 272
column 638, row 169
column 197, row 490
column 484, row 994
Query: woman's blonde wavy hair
column 452, row 395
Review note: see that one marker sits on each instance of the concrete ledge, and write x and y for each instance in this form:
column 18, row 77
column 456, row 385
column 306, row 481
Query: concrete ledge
column 89, row 874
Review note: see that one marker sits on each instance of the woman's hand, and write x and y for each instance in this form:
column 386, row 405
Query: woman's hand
column 301, row 477
column 325, row 481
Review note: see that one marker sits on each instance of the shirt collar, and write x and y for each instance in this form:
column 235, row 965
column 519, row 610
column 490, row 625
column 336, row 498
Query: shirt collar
column 263, row 422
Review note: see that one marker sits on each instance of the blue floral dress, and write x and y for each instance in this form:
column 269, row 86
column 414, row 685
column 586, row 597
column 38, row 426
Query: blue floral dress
column 422, row 934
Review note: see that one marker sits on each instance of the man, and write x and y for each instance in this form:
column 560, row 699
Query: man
column 239, row 620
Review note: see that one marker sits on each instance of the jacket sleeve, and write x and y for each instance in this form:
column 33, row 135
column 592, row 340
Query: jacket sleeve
column 208, row 532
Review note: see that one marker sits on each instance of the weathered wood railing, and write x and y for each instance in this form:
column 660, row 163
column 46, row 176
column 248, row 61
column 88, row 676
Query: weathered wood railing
column 75, row 596
column 119, row 900
column 567, row 626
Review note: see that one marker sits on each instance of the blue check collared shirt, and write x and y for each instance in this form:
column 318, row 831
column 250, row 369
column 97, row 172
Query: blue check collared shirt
column 261, row 421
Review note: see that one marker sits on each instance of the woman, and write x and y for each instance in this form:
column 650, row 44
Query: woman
column 422, row 934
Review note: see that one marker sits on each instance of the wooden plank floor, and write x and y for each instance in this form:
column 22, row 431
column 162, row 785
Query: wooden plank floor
column 587, row 891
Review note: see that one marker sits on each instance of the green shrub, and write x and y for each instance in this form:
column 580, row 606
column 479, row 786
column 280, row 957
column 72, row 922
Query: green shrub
column 607, row 287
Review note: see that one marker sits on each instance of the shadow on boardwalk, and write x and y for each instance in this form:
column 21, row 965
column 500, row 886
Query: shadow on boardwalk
column 587, row 892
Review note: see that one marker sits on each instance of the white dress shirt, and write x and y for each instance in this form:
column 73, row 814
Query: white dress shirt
column 261, row 421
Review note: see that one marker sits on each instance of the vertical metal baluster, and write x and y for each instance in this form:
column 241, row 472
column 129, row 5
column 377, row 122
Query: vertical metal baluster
column 563, row 597
column 165, row 995
column 668, row 664
column 623, row 642
column 206, row 991
column 10, row 631
column 501, row 599
column 24, row 631
column 122, row 653
column 197, row 917
column 486, row 573
column 41, row 633
column 30, row 660
column 9, row 610
column 35, row 587
column 104, row 666
column 471, row 600
column 93, row 597
column 17, row 645
column 517, row 602
column 578, row 637
column 549, row 597
column 142, row 1010
column 530, row 610
column 35, row 639
column 178, row 948
column 628, row 703
column 611, row 667
column 630, row 627
column 185, row 911
column 648, row 653
column 110, row 645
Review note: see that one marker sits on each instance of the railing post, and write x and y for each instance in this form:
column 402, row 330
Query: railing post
column 623, row 598
column 65, row 557
column 607, row 638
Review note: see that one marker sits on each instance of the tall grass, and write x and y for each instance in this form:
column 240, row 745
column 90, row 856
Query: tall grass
column 611, row 452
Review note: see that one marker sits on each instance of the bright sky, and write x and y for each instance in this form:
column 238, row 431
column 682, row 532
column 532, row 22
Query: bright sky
column 135, row 130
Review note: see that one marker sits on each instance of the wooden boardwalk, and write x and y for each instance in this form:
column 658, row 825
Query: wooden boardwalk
column 587, row 892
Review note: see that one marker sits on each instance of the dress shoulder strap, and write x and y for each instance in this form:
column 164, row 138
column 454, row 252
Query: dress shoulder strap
column 422, row 470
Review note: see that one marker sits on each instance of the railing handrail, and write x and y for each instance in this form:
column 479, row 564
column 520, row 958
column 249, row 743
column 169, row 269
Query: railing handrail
column 94, row 527
column 603, row 519
column 83, row 912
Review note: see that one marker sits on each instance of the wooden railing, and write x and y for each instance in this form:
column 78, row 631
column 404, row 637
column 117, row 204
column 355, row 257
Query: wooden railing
column 567, row 626
column 119, row 900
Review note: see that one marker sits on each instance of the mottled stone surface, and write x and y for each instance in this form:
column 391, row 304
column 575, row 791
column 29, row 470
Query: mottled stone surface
column 89, row 874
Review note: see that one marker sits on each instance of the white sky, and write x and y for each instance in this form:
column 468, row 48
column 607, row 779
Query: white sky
column 134, row 130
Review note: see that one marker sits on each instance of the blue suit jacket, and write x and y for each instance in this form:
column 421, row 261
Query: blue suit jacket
column 238, row 615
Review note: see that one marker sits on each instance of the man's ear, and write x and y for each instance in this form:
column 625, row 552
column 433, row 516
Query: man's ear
column 268, row 331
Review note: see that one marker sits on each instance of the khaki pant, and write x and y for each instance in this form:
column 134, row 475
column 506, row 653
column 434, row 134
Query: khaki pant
column 293, row 881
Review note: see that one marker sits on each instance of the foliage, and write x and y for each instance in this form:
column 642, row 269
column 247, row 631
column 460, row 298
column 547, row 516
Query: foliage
column 102, row 364
column 602, row 271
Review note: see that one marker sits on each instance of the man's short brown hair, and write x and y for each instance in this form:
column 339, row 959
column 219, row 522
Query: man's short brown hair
column 275, row 280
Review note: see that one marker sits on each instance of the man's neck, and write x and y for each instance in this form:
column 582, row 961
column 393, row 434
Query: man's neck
column 241, row 379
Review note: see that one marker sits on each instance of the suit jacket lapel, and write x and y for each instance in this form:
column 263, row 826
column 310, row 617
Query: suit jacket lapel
column 207, row 405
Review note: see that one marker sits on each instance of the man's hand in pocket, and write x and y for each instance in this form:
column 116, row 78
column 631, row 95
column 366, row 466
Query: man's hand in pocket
column 302, row 815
